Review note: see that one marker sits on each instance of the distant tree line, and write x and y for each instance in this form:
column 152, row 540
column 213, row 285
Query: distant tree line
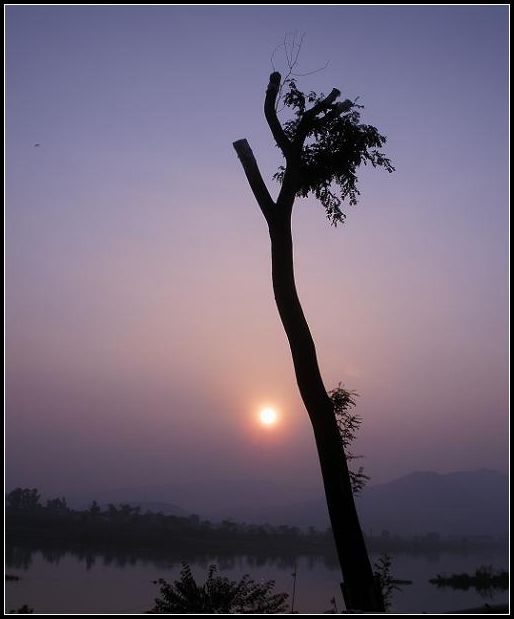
column 53, row 526
column 126, row 525
column 20, row 553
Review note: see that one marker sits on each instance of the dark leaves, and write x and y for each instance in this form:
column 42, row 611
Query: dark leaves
column 218, row 595
column 348, row 424
column 383, row 573
column 334, row 145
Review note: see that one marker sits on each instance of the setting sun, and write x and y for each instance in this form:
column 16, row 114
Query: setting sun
column 268, row 416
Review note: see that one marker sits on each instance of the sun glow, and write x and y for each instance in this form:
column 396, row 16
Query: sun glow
column 268, row 416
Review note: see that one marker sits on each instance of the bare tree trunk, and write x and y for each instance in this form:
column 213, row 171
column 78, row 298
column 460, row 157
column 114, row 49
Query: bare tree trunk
column 360, row 589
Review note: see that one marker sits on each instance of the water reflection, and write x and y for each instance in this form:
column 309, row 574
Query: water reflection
column 62, row 578
column 19, row 555
column 19, row 551
column 485, row 580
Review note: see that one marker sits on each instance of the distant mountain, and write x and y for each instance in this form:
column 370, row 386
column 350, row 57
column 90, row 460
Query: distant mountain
column 464, row 503
column 301, row 514
column 210, row 499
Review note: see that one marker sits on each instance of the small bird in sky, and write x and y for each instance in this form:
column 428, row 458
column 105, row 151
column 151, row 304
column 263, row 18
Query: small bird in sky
column 37, row 144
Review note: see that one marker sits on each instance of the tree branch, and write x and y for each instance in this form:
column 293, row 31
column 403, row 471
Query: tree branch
column 322, row 105
column 257, row 184
column 310, row 115
column 336, row 110
column 271, row 114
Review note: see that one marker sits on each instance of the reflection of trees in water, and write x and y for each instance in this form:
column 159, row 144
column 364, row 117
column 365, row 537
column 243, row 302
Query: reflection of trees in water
column 83, row 554
column 122, row 535
column 19, row 555
column 52, row 555
column 485, row 580
column 118, row 558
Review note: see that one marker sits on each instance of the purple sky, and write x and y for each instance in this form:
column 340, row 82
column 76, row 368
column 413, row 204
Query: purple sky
column 141, row 331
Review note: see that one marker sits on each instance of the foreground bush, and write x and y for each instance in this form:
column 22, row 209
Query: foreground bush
column 218, row 595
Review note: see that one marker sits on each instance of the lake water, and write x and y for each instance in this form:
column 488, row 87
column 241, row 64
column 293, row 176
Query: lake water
column 103, row 583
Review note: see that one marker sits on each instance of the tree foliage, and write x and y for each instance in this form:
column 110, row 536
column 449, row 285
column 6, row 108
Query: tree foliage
column 218, row 595
column 484, row 580
column 126, row 527
column 23, row 499
column 385, row 578
column 57, row 505
column 348, row 424
column 25, row 609
column 335, row 144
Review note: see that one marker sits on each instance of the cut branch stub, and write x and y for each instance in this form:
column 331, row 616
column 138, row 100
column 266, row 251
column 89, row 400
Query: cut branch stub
column 255, row 180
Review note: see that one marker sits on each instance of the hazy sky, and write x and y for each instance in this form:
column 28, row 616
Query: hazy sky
column 141, row 332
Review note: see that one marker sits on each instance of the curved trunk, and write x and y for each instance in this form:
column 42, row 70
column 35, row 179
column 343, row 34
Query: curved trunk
column 360, row 589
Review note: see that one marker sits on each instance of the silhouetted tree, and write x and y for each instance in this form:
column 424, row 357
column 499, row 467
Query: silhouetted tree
column 348, row 424
column 94, row 510
column 323, row 145
column 484, row 580
column 218, row 595
column 385, row 579
column 23, row 499
column 57, row 505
